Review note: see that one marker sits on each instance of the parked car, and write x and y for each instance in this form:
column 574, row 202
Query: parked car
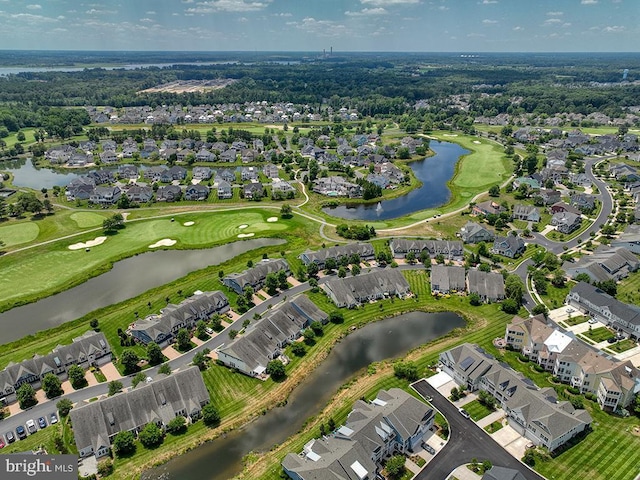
column 2, row 444
column 612, row 340
column 428, row 448
column 31, row 426
column 592, row 321
column 42, row 423
column 22, row 433
column 209, row 330
column 10, row 437
column 53, row 418
column 464, row 413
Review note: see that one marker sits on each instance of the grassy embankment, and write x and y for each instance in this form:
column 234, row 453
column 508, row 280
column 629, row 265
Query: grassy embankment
column 51, row 268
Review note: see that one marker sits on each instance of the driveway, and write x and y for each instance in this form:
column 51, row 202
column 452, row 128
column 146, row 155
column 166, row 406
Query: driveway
column 466, row 442
column 110, row 371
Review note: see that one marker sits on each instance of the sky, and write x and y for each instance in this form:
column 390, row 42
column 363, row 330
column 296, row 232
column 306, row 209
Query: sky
column 314, row 25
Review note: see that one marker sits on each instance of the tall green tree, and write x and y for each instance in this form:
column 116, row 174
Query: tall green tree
column 52, row 385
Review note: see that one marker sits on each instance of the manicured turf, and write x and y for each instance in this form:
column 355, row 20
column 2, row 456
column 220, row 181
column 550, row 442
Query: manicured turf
column 484, row 168
column 599, row 334
column 494, row 427
column 88, row 219
column 554, row 298
column 54, row 267
column 623, row 346
column 577, row 320
column 18, row 233
column 629, row 289
column 477, row 410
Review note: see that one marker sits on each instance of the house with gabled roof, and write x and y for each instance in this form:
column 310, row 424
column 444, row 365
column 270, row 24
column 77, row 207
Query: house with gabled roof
column 364, row 251
column 87, row 350
column 96, row 424
column 604, row 264
column 473, row 232
column 169, row 193
column 527, row 213
column 510, row 246
column 447, row 279
column 629, row 239
column 197, row 192
column 161, row 328
column 265, row 339
column 566, row 222
column 254, row 277
column 450, row 249
column 139, row 193
column 394, row 421
column 534, row 413
column 489, row 286
column 105, row 196
column 487, row 208
column 352, row 291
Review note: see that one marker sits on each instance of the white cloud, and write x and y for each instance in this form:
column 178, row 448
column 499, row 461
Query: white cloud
column 486, row 21
column 95, row 11
column 555, row 14
column 589, row 2
column 614, row 29
column 551, row 21
column 150, row 12
column 283, row 14
column 489, row 2
column 35, row 6
column 145, row 20
column 476, row 35
column 443, row 8
column 388, row 3
column 321, row 28
column 518, row 28
column 28, row 18
column 229, row 6
column 367, row 12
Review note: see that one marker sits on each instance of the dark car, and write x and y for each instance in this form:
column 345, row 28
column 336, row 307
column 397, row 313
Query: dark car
column 42, row 423
column 22, row 433
column 10, row 437
column 428, row 448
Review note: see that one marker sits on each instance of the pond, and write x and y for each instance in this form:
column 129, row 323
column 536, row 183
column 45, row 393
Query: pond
column 127, row 278
column 434, row 173
column 393, row 337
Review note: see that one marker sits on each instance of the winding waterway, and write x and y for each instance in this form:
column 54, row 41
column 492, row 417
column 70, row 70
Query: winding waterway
column 389, row 338
column 434, row 172
column 127, row 278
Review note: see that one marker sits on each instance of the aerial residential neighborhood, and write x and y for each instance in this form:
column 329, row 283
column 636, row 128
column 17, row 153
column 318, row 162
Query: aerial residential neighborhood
column 353, row 243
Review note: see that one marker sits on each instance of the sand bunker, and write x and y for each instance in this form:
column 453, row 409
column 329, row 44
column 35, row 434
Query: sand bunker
column 449, row 135
column 272, row 219
column 242, row 227
column 165, row 242
column 477, row 142
column 188, row 224
column 125, row 215
column 90, row 243
column 245, row 235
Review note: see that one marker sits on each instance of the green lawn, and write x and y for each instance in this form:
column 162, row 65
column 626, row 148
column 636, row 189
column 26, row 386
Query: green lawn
column 629, row 289
column 622, row 346
column 18, row 233
column 485, row 167
column 554, row 298
column 493, row 427
column 477, row 410
column 88, row 219
column 599, row 334
column 577, row 320
column 50, row 268
column 609, row 452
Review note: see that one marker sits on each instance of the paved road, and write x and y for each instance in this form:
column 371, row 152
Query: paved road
column 466, row 442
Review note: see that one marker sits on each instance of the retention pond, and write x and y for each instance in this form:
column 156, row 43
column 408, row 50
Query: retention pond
column 221, row 459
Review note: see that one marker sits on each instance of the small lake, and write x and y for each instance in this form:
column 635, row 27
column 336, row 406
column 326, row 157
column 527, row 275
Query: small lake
column 128, row 278
column 389, row 338
column 434, row 173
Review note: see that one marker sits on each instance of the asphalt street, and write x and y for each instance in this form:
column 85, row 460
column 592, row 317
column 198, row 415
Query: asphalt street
column 466, row 442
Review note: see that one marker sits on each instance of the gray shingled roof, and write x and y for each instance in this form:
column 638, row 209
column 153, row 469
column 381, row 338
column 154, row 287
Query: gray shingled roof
column 350, row 291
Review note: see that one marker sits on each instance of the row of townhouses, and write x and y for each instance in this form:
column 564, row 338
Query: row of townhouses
column 95, row 424
column 393, row 422
column 255, row 277
column 489, row 286
column 162, row 328
column 614, row 382
column 534, row 413
column 605, row 263
column 451, row 250
column 349, row 252
column 91, row 349
column 265, row 340
column 610, row 311
column 352, row 291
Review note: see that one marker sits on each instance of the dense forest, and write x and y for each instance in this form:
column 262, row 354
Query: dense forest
column 374, row 84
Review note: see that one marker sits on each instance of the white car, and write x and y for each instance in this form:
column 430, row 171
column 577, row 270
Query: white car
column 592, row 321
column 31, row 426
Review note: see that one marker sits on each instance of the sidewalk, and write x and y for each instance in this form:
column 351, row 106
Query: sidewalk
column 463, row 473
column 492, row 417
